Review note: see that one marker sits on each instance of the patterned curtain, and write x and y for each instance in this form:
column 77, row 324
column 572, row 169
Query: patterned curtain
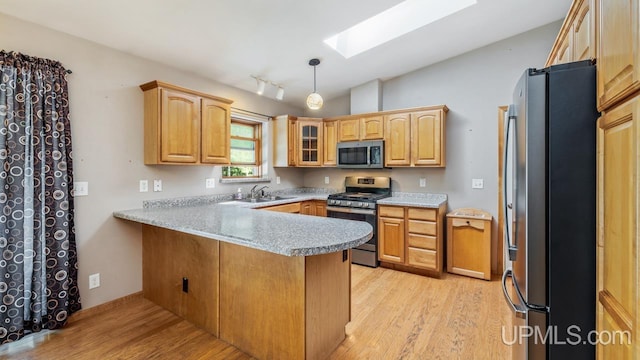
column 38, row 263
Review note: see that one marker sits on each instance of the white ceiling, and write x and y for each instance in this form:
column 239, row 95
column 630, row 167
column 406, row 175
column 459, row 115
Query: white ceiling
column 229, row 40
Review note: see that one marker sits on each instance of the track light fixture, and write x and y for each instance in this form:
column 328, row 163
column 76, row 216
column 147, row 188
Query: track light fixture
column 314, row 100
column 261, row 87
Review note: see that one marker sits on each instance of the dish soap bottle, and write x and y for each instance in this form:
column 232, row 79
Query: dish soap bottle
column 239, row 194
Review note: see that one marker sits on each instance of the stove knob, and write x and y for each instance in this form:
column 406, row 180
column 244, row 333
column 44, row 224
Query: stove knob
column 347, row 203
column 336, row 202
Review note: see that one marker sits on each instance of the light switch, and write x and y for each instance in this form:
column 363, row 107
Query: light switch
column 144, row 185
column 423, row 182
column 210, row 183
column 278, row 180
column 80, row 188
column 326, row 180
column 157, row 185
column 477, row 183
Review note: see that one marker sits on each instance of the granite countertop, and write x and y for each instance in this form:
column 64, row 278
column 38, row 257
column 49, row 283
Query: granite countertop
column 235, row 222
column 424, row 200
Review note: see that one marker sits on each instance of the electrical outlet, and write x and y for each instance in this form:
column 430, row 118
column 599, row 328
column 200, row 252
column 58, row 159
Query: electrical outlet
column 94, row 281
column 144, row 185
column 477, row 183
column 210, row 183
column 278, row 180
column 157, row 185
column 423, row 182
column 80, row 188
column 326, row 180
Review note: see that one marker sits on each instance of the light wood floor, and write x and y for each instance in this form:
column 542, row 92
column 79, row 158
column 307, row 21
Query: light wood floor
column 395, row 315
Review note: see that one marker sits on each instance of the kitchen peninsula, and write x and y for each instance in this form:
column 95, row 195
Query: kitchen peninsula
column 275, row 285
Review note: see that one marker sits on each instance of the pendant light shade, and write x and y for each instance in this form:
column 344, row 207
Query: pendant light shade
column 314, row 100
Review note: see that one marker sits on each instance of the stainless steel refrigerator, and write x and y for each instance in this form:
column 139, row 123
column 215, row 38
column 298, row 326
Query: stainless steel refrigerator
column 552, row 240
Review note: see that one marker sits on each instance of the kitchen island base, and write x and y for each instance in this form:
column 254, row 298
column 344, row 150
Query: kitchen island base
column 268, row 305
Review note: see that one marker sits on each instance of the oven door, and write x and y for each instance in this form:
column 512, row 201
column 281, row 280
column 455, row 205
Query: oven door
column 367, row 215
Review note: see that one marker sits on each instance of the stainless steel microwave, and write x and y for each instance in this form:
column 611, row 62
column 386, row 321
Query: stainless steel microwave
column 361, row 154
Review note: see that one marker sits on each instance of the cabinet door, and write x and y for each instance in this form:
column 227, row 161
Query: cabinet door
column 582, row 32
column 321, row 208
column 397, row 136
column 307, row 208
column 617, row 251
column 427, row 140
column 617, row 50
column 309, row 143
column 565, row 53
column 372, row 128
column 330, row 135
column 391, row 240
column 216, row 129
column 180, row 127
column 349, row 130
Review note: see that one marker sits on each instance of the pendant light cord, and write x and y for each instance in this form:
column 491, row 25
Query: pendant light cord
column 314, row 78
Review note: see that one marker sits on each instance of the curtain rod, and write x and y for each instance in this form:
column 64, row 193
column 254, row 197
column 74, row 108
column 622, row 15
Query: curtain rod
column 251, row 112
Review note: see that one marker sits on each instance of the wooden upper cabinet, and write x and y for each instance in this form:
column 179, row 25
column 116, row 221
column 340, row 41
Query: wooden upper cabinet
column 397, row 135
column 416, row 138
column 618, row 56
column 309, row 142
column 330, row 143
column 372, row 127
column 284, row 135
column 216, row 132
column 179, row 127
column 576, row 39
column 618, row 174
column 349, row 130
column 183, row 126
column 427, row 138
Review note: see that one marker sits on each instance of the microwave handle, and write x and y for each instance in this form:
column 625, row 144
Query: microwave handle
column 369, row 155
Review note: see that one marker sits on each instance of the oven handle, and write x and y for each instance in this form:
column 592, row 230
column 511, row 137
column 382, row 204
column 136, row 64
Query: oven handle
column 351, row 210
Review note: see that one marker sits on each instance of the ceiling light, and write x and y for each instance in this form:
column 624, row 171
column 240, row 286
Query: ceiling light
column 261, row 85
column 280, row 93
column 314, row 100
column 392, row 23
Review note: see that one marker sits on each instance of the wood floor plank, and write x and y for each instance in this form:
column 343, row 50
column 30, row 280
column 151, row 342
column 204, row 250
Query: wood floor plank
column 395, row 315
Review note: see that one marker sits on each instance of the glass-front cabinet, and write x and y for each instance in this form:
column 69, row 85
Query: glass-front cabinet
column 309, row 142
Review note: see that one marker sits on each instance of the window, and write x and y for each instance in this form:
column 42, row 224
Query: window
column 245, row 150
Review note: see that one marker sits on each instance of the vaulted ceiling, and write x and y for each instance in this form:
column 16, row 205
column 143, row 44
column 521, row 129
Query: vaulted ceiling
column 230, row 40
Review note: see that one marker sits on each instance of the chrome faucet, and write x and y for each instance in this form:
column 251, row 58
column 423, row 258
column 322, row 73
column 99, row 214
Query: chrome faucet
column 254, row 191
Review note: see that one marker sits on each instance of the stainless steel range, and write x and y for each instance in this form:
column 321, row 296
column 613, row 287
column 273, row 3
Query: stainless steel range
column 358, row 202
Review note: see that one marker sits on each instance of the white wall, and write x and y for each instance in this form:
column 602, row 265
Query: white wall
column 106, row 108
column 366, row 98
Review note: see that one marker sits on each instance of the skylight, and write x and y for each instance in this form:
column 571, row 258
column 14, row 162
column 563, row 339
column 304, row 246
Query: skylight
column 394, row 22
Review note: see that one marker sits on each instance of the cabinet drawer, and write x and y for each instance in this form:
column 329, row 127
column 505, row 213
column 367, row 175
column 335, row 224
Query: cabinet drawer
column 423, row 258
column 290, row 208
column 476, row 224
column 391, row 211
column 422, row 227
column 422, row 241
column 422, row 214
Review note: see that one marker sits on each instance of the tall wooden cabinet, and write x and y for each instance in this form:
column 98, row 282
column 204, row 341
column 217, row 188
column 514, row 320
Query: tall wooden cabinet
column 330, row 143
column 297, row 141
column 183, row 126
column 617, row 251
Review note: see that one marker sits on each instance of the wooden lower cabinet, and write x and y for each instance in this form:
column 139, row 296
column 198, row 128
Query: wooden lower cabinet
column 618, row 288
column 411, row 239
column 310, row 207
column 469, row 243
column 269, row 306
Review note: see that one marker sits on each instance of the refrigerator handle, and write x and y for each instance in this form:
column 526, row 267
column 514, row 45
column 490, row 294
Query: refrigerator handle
column 511, row 247
column 520, row 313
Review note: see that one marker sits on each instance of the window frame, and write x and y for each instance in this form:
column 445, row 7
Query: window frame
column 257, row 139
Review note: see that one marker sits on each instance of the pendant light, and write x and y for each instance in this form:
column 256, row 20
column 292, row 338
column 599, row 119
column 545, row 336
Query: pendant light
column 314, row 100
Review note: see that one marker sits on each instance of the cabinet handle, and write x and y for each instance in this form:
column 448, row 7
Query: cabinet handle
column 185, row 285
